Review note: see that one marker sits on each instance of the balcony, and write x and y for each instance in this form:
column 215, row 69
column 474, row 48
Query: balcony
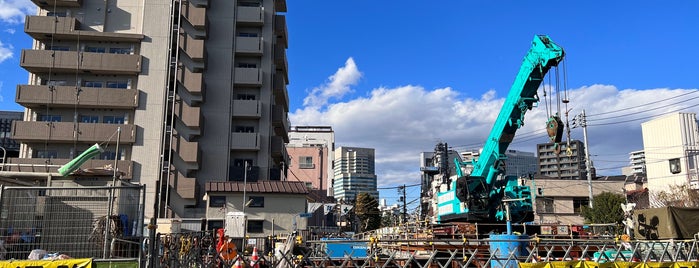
column 188, row 115
column 248, row 45
column 42, row 61
column 51, row 165
column 68, row 28
column 242, row 141
column 278, row 149
column 33, row 96
column 248, row 76
column 58, row 3
column 280, row 6
column 194, row 48
column 280, row 121
column 187, row 155
column 280, row 30
column 184, row 186
column 190, row 86
column 247, row 109
column 281, row 94
column 63, row 132
column 196, row 16
column 239, row 174
column 252, row 16
column 280, row 58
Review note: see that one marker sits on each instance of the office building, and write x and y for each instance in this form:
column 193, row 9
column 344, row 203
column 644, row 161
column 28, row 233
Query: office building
column 671, row 147
column 179, row 93
column 355, row 173
column 562, row 161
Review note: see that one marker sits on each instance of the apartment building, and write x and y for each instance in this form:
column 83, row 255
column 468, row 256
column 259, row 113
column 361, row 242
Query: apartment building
column 311, row 150
column 637, row 164
column 10, row 147
column 562, row 160
column 178, row 93
column 355, row 173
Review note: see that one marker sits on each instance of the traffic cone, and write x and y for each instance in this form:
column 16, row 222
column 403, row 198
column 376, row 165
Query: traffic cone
column 254, row 258
column 237, row 263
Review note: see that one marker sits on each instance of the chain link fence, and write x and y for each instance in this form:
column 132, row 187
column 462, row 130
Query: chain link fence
column 81, row 222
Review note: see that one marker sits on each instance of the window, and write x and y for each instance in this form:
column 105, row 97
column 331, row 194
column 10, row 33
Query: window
column 120, row 50
column 256, row 202
column 56, row 83
column 93, row 84
column 249, row 3
column 58, row 48
column 46, row 154
column 217, row 201
column 243, row 34
column 212, row 225
column 95, row 49
column 306, row 162
column 89, row 119
column 49, row 118
column 675, row 166
column 55, row 14
column 247, row 65
column 244, row 129
column 245, row 96
column 117, row 84
column 544, row 205
column 109, row 155
column 241, row 162
column 113, row 119
column 578, row 203
column 256, row 226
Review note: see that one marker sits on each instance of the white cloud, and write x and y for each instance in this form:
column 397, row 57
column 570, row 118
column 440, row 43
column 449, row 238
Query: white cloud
column 10, row 31
column 336, row 87
column 5, row 52
column 13, row 11
column 404, row 121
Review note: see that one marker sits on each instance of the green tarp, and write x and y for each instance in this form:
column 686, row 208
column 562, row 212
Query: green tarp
column 666, row 223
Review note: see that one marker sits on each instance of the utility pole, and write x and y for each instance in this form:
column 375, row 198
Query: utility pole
column 588, row 161
column 405, row 203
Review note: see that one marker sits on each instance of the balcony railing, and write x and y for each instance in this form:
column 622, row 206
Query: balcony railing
column 250, row 16
column 248, row 76
column 247, row 108
column 71, row 61
column 245, row 141
column 51, row 165
column 33, row 96
column 249, row 45
column 281, row 94
column 68, row 28
column 67, row 132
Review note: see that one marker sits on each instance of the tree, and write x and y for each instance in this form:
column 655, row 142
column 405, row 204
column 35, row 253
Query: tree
column 606, row 208
column 677, row 196
column 367, row 210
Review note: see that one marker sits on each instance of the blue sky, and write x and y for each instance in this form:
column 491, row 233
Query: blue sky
column 399, row 76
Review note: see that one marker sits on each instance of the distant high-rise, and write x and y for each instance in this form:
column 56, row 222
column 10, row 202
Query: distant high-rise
column 354, row 173
column 9, row 145
column 558, row 161
column 671, row 147
column 637, row 164
column 196, row 87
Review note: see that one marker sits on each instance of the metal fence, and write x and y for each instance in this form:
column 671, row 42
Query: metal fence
column 72, row 221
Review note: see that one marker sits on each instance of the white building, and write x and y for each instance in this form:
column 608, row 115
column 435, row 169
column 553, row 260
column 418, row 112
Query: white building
column 671, row 146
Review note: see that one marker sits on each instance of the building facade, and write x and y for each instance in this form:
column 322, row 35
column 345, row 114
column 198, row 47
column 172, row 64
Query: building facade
column 10, row 146
column 311, row 150
column 191, row 97
column 671, row 146
column 355, row 173
column 637, row 164
column 562, row 161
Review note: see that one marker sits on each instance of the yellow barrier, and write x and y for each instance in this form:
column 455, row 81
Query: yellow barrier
column 72, row 263
column 618, row 264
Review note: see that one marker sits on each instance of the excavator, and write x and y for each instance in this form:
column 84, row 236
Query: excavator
column 486, row 194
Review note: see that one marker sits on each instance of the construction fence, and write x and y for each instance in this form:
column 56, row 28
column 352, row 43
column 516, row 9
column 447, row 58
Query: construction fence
column 82, row 222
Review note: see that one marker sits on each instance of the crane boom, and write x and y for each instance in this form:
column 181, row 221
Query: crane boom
column 479, row 196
